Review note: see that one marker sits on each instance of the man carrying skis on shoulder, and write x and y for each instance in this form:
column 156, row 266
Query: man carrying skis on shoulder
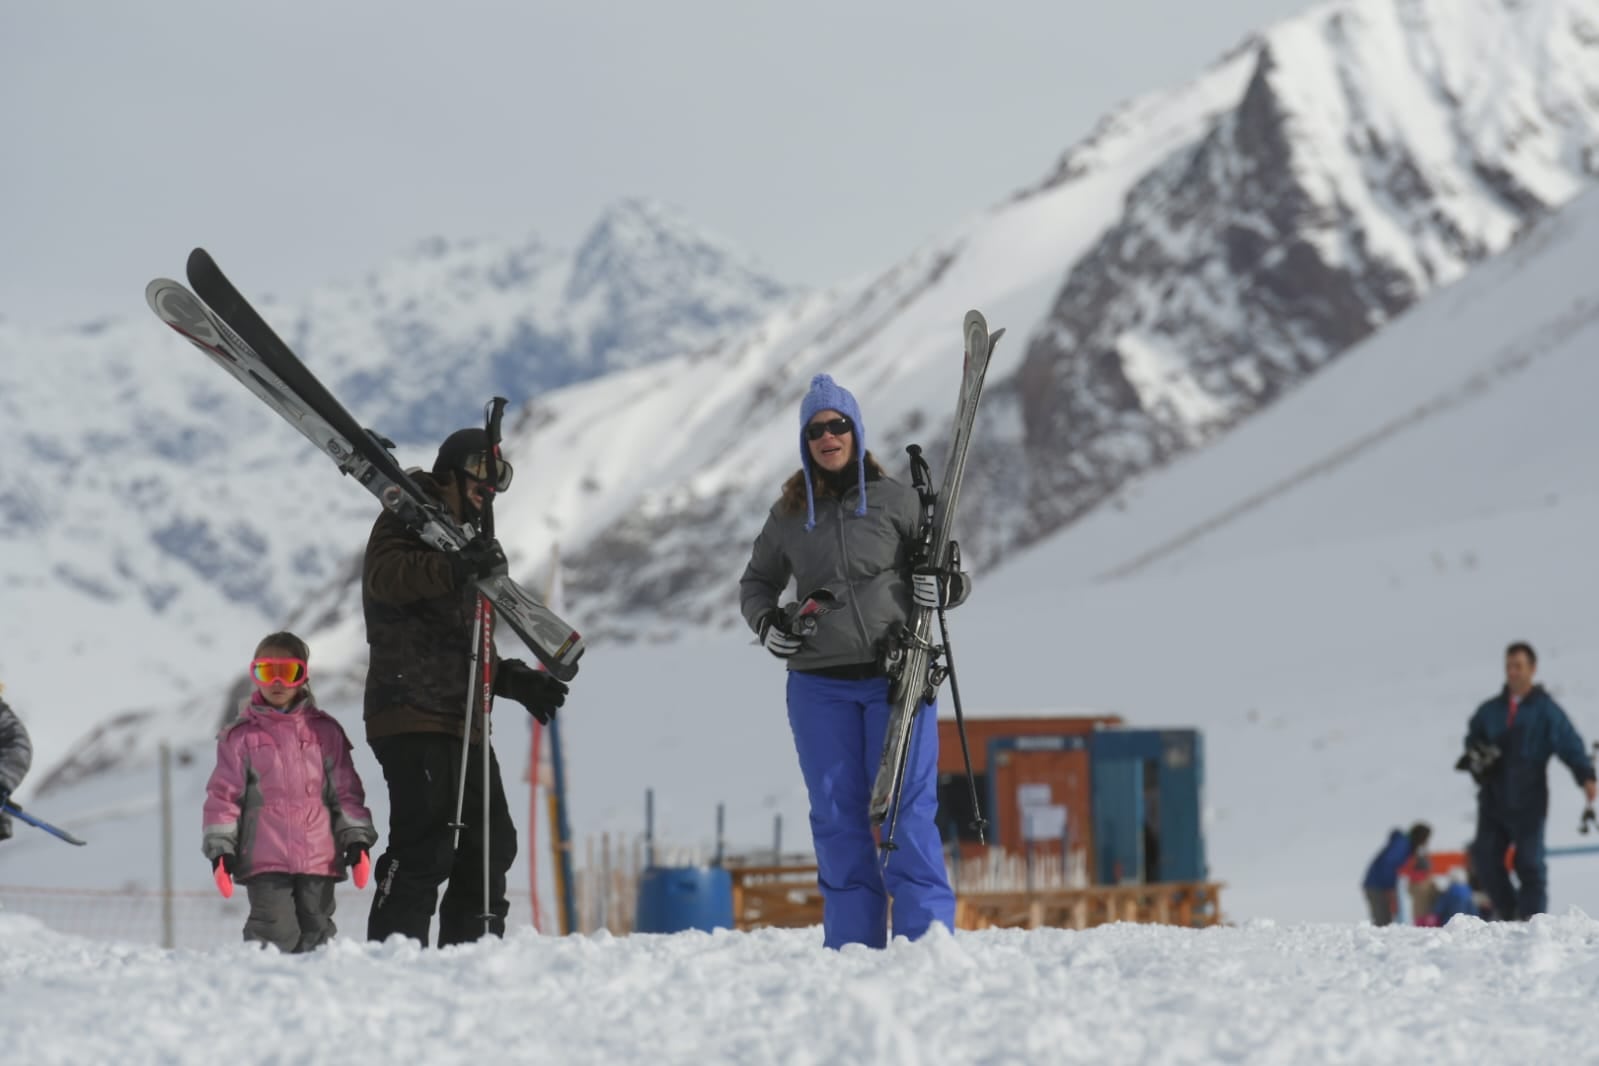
column 16, row 755
column 420, row 605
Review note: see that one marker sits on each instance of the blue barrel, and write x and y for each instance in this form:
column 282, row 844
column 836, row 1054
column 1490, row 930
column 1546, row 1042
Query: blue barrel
column 674, row 898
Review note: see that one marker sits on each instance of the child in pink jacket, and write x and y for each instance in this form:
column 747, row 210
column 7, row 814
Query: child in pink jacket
column 285, row 813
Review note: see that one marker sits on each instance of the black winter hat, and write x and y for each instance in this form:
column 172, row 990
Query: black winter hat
column 458, row 446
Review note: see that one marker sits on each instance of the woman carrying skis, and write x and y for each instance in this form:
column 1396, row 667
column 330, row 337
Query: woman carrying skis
column 844, row 526
column 285, row 813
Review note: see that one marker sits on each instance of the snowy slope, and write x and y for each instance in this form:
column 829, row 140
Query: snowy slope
column 158, row 518
column 1256, row 996
column 1325, row 592
column 1224, row 240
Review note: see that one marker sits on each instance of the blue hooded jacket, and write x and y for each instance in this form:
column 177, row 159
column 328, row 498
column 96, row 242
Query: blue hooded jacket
column 1518, row 783
column 1383, row 873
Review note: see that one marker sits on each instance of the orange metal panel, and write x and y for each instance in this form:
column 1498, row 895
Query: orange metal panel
column 1066, row 773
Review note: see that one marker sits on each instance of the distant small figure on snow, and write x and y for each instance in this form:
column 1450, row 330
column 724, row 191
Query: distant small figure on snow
column 1381, row 884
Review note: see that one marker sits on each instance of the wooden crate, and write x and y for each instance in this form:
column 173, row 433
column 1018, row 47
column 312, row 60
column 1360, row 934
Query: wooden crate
column 775, row 897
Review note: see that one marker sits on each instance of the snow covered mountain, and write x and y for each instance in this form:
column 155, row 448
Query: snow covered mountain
column 1198, row 255
column 1325, row 592
column 1219, row 243
column 157, row 519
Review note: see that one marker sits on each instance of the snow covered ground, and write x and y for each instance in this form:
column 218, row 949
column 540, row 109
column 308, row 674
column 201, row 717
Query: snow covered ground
column 1261, row 993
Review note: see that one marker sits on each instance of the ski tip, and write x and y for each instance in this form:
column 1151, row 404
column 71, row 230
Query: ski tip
column 181, row 309
column 993, row 338
column 975, row 318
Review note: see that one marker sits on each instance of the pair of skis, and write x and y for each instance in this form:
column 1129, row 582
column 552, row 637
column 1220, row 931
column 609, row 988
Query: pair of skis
column 913, row 659
column 218, row 320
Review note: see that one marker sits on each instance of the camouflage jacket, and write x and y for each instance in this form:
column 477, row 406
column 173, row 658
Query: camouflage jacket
column 16, row 755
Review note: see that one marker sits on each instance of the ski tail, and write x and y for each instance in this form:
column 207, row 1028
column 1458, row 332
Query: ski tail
column 223, row 297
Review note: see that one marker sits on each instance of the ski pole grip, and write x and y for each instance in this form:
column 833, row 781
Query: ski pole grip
column 362, row 871
column 224, row 882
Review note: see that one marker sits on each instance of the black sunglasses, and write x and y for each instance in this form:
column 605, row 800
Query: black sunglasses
column 837, row 427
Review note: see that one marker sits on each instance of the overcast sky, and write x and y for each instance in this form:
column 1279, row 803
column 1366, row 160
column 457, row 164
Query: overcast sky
column 306, row 140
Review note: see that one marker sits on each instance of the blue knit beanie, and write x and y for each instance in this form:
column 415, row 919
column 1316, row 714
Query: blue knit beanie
column 828, row 395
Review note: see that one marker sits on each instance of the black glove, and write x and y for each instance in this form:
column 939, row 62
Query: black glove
column 476, row 560
column 352, row 855
column 534, row 689
column 931, row 584
column 775, row 636
column 226, row 860
column 5, row 795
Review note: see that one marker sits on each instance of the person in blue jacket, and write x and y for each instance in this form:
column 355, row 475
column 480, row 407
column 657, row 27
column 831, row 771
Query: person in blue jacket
column 1455, row 899
column 843, row 525
column 1509, row 743
column 1382, row 875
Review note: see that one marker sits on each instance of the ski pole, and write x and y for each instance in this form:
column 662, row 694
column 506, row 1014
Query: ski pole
column 979, row 823
column 494, row 411
column 466, row 732
column 487, row 658
column 10, row 807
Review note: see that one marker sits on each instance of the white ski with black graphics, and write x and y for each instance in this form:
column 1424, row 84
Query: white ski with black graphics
column 228, row 329
column 912, row 663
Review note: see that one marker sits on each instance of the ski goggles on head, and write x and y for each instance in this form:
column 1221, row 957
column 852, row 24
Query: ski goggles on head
column 836, row 426
column 288, row 671
column 477, row 467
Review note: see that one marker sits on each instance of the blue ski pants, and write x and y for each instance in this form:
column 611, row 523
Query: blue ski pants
column 838, row 730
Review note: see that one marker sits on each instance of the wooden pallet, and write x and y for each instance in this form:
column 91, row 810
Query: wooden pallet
column 787, row 897
column 1193, row 904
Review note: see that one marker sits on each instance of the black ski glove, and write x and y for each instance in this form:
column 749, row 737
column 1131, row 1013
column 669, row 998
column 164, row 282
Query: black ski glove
column 352, row 855
column 534, row 689
column 227, row 861
column 5, row 795
column 476, row 560
column 775, row 635
column 931, row 584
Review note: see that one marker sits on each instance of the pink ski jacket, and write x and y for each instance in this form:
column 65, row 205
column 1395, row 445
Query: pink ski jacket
column 285, row 797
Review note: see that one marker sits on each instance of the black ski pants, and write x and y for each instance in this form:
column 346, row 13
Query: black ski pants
column 422, row 771
column 1497, row 830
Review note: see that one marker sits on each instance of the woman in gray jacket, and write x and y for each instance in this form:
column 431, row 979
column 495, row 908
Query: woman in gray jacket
column 843, row 525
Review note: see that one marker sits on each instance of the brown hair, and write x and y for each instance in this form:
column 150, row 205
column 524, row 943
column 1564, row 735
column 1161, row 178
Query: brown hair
column 1523, row 648
column 283, row 640
column 792, row 500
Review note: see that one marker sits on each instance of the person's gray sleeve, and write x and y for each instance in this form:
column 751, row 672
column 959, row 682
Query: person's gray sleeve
column 16, row 749
column 766, row 576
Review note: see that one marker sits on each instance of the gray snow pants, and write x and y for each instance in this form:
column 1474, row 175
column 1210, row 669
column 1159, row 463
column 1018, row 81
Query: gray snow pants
column 1382, row 903
column 293, row 911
